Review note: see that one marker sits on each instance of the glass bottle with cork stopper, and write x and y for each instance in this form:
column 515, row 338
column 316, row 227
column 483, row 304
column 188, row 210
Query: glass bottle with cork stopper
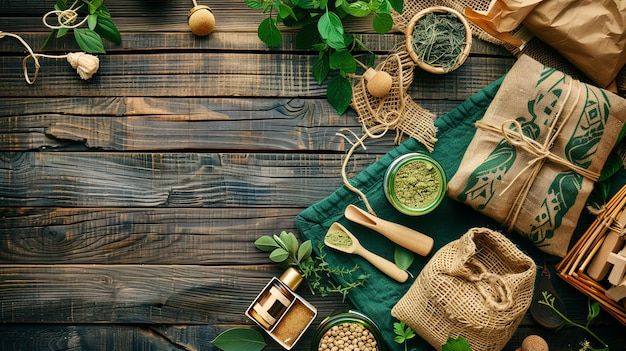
column 282, row 313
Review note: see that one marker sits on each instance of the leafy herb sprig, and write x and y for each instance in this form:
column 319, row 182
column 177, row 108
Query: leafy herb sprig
column 96, row 16
column 322, row 30
column 285, row 250
column 592, row 313
column 403, row 333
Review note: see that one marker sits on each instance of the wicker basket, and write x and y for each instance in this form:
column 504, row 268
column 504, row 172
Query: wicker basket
column 409, row 39
column 573, row 267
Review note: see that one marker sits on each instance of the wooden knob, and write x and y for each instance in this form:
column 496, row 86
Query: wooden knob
column 201, row 20
column 378, row 82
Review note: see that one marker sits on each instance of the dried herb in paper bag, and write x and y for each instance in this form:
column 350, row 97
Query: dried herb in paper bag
column 591, row 34
column 537, row 153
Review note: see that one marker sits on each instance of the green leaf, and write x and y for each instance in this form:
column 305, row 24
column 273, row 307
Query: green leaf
column 320, row 68
column 279, row 255
column 397, row 5
column 304, row 251
column 594, row 310
column 94, row 5
column 269, row 34
column 331, row 30
column 343, row 60
column 107, row 29
column 381, row 6
column 48, row 39
column 403, row 257
column 291, row 242
column 459, row 344
column 265, row 243
column 92, row 20
column 382, row 23
column 285, row 11
column 89, row 41
column 61, row 32
column 254, row 4
column 339, row 93
column 357, row 9
column 60, row 5
column 240, row 339
column 104, row 12
column 307, row 4
column 307, row 37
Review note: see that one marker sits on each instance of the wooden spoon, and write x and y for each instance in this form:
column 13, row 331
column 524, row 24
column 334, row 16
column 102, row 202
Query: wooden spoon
column 355, row 247
column 406, row 237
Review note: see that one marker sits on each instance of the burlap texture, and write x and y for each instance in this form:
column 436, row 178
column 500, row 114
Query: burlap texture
column 479, row 287
column 537, row 153
column 395, row 110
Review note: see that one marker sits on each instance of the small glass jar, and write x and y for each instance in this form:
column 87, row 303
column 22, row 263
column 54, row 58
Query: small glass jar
column 415, row 184
column 347, row 319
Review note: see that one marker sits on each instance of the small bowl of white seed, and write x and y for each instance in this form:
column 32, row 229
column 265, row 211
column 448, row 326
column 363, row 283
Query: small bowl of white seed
column 347, row 331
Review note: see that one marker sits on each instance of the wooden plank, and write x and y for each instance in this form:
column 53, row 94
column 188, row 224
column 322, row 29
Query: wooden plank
column 189, row 236
column 77, row 179
column 138, row 123
column 76, row 295
column 107, row 337
column 222, row 124
column 161, row 294
column 223, row 74
column 133, row 42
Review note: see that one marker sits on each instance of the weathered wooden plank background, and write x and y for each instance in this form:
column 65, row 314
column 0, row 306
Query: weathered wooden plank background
column 129, row 202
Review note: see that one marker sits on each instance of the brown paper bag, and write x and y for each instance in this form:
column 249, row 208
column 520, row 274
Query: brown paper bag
column 537, row 153
column 591, row 34
column 478, row 287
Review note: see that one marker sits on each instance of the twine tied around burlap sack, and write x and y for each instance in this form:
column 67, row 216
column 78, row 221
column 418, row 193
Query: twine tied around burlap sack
column 394, row 111
column 513, row 133
column 479, row 287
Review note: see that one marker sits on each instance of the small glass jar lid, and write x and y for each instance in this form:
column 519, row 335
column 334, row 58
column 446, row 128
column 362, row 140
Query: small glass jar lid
column 415, row 184
column 365, row 329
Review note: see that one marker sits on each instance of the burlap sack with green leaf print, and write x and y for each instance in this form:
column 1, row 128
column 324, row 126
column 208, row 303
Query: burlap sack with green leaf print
column 537, row 153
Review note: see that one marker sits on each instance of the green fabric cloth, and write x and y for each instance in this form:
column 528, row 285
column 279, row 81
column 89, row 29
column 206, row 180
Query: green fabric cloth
column 446, row 223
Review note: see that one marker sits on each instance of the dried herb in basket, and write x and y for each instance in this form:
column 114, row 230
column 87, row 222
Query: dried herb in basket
column 438, row 39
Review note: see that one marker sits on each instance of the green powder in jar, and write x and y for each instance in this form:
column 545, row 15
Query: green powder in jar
column 339, row 238
column 417, row 184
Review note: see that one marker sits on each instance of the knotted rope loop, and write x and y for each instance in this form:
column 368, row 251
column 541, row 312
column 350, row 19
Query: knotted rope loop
column 65, row 19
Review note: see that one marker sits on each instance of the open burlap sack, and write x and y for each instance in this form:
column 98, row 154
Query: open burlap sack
column 537, row 153
column 479, row 287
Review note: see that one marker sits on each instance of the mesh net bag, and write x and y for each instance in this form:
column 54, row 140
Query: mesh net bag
column 479, row 287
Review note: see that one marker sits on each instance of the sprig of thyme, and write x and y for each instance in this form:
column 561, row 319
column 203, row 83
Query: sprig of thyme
column 593, row 312
column 285, row 250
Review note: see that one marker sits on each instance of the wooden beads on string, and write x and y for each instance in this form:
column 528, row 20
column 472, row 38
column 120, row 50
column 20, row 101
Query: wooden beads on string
column 201, row 20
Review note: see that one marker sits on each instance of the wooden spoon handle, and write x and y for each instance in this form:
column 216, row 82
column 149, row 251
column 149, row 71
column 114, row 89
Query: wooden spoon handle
column 404, row 236
column 385, row 266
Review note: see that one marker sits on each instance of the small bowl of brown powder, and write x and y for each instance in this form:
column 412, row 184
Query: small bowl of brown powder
column 347, row 330
column 415, row 184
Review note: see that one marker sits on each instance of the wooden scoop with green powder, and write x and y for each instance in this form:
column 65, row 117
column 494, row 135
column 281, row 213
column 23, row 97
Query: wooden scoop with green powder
column 339, row 238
